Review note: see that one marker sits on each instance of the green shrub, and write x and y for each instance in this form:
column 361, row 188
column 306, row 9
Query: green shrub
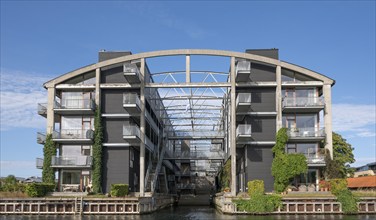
column 39, row 189
column 119, row 190
column 348, row 201
column 337, row 185
column 97, row 152
column 259, row 203
column 256, row 187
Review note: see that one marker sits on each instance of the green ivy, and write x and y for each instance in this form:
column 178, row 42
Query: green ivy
column 258, row 202
column 97, row 153
column 285, row 166
column 49, row 150
column 225, row 175
column 348, row 201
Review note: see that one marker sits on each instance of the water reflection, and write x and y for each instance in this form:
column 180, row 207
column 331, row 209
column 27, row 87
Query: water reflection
column 191, row 213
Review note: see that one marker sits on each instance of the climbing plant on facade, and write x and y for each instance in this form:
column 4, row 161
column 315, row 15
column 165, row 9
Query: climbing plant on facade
column 225, row 175
column 49, row 150
column 97, row 153
column 285, row 166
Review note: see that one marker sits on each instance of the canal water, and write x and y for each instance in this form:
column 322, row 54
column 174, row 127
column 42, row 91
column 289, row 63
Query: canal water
column 190, row 213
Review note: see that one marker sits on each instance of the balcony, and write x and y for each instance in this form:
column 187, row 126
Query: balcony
column 75, row 106
column 302, row 104
column 131, row 103
column 39, row 163
column 244, row 132
column 42, row 109
column 243, row 71
column 132, row 73
column 306, row 134
column 243, row 102
column 131, row 133
column 71, row 162
column 73, row 136
column 198, row 134
column 316, row 160
column 41, row 138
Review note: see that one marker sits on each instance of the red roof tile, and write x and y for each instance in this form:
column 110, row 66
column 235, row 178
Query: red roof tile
column 362, row 182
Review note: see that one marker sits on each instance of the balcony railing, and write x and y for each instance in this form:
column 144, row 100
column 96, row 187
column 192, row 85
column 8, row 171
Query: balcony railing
column 131, row 130
column 42, row 108
column 75, row 104
column 244, row 129
column 73, row 134
column 131, row 68
column 302, row 101
column 243, row 65
column 39, row 163
column 243, row 98
column 315, row 159
column 41, row 138
column 130, row 99
column 78, row 161
column 305, row 132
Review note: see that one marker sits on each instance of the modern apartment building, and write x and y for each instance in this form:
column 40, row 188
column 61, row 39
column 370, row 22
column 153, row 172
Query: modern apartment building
column 164, row 128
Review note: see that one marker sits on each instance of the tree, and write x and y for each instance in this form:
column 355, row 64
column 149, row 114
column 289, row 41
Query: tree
column 49, row 150
column 97, row 152
column 343, row 156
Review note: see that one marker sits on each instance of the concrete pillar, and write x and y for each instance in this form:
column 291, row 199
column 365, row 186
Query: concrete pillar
column 188, row 68
column 97, row 86
column 278, row 98
column 233, row 128
column 327, row 89
column 50, row 110
column 142, row 129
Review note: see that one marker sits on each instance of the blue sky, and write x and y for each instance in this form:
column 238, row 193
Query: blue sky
column 41, row 40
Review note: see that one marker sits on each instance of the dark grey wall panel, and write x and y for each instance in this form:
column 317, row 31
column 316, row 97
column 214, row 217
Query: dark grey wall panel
column 134, row 172
column 263, row 127
column 114, row 75
column 115, row 167
column 113, row 130
column 112, row 101
column 107, row 55
column 259, row 163
column 263, row 100
column 262, row 73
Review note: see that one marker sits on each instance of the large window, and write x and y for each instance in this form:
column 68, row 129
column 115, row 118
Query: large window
column 71, row 177
column 308, row 149
column 299, row 121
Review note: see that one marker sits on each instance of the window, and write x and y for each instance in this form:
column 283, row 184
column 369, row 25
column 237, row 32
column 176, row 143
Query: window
column 71, row 177
column 131, row 158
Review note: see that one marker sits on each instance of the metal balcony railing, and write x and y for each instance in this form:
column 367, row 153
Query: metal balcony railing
column 75, row 104
column 131, row 98
column 303, row 101
column 131, row 130
column 315, row 159
column 73, row 134
column 131, row 68
column 243, row 98
column 202, row 134
column 41, row 137
column 243, row 65
column 42, row 108
column 305, row 132
column 244, row 129
column 78, row 161
column 39, row 163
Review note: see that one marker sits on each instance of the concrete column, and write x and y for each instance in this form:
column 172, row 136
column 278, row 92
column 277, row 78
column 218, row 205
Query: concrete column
column 142, row 129
column 188, row 68
column 327, row 92
column 233, row 128
column 50, row 110
column 97, row 86
column 278, row 97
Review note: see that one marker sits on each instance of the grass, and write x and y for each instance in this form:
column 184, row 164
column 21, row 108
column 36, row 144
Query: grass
column 364, row 193
column 13, row 195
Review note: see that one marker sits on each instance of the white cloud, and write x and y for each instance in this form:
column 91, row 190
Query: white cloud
column 20, row 94
column 355, row 118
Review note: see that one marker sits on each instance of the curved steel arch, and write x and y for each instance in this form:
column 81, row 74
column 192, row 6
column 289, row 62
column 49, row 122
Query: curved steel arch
column 208, row 52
